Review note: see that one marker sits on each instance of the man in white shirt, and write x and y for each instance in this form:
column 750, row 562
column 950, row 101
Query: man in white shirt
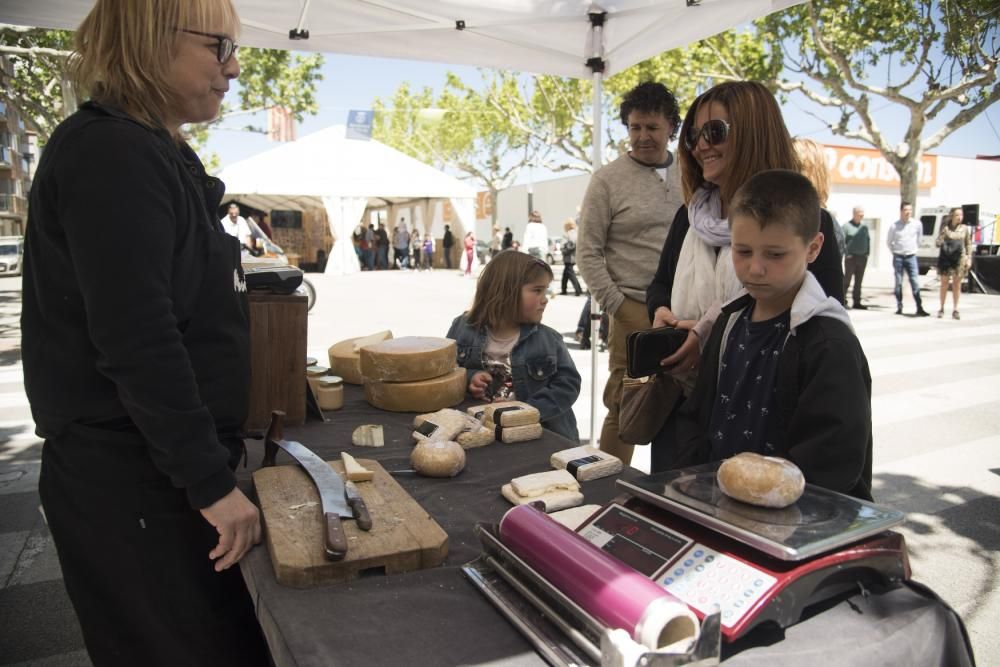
column 536, row 236
column 236, row 225
column 903, row 240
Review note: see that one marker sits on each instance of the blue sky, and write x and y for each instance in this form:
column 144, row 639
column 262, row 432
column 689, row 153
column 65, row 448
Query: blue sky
column 353, row 82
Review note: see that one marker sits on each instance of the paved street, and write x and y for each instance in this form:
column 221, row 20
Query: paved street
column 936, row 413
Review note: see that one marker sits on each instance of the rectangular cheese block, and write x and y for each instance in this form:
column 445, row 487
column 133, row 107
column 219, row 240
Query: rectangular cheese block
column 553, row 501
column 586, row 462
column 515, row 434
column 421, row 396
column 475, row 436
column 510, row 413
column 408, row 359
column 538, row 483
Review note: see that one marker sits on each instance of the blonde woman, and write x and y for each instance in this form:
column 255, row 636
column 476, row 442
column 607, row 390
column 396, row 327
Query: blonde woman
column 136, row 344
column 954, row 258
column 813, row 165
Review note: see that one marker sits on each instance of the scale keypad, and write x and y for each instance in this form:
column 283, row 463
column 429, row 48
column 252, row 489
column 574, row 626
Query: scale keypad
column 702, row 578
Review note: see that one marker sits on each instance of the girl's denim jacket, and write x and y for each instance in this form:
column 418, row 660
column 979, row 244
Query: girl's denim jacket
column 544, row 374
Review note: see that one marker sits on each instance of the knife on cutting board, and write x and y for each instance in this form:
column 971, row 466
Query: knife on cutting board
column 357, row 503
column 332, row 494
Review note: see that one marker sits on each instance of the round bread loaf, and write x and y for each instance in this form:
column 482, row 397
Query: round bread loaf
column 438, row 458
column 766, row 481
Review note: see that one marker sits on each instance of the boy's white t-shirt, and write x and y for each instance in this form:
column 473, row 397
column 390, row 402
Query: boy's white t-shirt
column 496, row 361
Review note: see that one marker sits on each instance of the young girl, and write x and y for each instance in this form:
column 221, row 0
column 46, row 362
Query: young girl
column 508, row 353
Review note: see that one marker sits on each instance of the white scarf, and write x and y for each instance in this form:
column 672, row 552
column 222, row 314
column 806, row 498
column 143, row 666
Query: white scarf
column 703, row 277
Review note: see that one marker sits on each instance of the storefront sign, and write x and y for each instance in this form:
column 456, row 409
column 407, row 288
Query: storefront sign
column 863, row 166
column 484, row 205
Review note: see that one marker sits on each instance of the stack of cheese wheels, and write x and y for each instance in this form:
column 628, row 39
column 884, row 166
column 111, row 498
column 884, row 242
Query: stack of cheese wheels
column 412, row 374
column 345, row 356
column 510, row 421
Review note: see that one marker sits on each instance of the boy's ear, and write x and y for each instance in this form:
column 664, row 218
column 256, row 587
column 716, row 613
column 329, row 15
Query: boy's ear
column 813, row 247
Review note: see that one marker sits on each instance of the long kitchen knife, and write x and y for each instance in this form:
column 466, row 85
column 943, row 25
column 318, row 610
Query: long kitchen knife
column 328, row 483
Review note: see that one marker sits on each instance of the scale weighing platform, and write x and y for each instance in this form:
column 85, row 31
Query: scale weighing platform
column 734, row 565
column 757, row 564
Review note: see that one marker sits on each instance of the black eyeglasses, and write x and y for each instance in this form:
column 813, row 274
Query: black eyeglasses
column 226, row 48
column 715, row 132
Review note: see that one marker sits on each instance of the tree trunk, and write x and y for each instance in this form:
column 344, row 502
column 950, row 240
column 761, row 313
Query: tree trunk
column 493, row 206
column 909, row 178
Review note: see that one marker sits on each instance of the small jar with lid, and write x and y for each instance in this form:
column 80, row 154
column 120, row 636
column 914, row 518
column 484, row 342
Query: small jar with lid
column 331, row 392
column 313, row 374
column 311, row 361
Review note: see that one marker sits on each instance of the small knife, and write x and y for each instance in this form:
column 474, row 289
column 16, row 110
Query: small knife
column 357, row 503
column 328, row 483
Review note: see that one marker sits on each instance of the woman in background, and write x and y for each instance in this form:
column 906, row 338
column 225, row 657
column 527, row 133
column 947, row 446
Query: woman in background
column 954, row 258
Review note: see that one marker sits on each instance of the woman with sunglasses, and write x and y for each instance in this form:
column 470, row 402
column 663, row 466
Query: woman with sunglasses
column 136, row 345
column 731, row 132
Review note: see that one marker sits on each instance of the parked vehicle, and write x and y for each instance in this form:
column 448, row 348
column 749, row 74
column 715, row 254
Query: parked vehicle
column 11, row 255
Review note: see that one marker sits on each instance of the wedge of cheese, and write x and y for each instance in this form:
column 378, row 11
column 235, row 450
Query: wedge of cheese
column 586, row 462
column 423, row 396
column 408, row 359
column 368, row 435
column 345, row 356
column 354, row 471
column 552, row 501
column 540, row 483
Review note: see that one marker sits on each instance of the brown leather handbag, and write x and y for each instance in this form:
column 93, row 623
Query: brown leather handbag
column 646, row 403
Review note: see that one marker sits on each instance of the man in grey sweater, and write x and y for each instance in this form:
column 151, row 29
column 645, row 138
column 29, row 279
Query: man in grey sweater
column 626, row 214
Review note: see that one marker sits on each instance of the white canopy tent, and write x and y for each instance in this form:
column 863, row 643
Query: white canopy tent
column 344, row 176
column 577, row 38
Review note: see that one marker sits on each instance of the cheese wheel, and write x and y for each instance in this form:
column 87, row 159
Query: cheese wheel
column 438, row 458
column 408, row 359
column 765, row 481
column 423, row 396
column 345, row 356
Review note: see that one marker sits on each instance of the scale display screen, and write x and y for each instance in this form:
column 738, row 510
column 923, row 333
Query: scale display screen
column 634, row 540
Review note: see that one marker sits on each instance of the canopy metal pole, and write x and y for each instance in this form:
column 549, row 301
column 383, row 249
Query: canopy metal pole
column 596, row 64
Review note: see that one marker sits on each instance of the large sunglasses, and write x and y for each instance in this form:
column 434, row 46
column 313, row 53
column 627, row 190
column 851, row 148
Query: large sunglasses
column 226, row 48
column 715, row 132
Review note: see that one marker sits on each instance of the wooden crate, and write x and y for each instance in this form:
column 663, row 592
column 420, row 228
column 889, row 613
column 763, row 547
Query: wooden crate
column 277, row 358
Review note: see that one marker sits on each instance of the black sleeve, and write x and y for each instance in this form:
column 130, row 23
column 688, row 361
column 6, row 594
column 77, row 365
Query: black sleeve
column 828, row 267
column 658, row 292
column 118, row 208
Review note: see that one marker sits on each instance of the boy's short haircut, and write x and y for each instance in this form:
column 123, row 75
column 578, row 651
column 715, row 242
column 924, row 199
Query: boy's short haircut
column 779, row 196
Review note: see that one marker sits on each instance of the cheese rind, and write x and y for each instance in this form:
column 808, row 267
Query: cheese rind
column 345, row 356
column 408, row 359
column 553, row 501
column 423, row 396
column 354, row 471
column 368, row 435
column 438, row 458
column 538, row 483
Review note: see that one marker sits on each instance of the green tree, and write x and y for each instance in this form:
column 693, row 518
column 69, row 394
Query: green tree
column 37, row 87
column 936, row 59
column 457, row 129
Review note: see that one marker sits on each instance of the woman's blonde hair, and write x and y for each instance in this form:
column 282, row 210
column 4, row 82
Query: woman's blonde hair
column 814, row 167
column 758, row 138
column 124, row 50
column 498, row 295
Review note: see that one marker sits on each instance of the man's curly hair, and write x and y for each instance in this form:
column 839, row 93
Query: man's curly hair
column 652, row 97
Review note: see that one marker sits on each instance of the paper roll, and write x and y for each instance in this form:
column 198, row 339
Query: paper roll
column 610, row 591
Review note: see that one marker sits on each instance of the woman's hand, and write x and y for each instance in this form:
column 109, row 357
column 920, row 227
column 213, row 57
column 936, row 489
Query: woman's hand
column 663, row 317
column 238, row 522
column 686, row 358
column 479, row 383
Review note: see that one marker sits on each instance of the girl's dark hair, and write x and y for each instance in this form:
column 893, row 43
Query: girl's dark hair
column 652, row 97
column 498, row 295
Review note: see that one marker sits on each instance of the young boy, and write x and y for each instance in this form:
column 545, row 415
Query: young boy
column 782, row 373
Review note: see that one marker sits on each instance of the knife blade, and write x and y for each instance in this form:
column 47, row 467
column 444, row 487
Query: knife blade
column 328, row 483
column 357, row 503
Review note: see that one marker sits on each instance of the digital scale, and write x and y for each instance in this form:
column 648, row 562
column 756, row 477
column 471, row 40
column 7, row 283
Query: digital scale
column 749, row 565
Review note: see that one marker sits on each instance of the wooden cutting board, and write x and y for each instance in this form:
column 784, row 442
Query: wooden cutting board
column 403, row 536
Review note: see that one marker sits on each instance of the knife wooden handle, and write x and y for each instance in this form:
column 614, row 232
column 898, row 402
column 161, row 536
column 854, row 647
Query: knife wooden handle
column 361, row 515
column 336, row 541
column 274, row 433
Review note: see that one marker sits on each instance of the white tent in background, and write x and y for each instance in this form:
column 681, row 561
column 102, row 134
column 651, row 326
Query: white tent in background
column 344, row 176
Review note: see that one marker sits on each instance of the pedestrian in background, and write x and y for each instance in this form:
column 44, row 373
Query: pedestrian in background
column 382, row 247
column 427, row 257
column 857, row 246
column 903, row 240
column 417, row 244
column 447, row 242
column 954, row 258
column 401, row 246
column 136, row 345
column 569, row 257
